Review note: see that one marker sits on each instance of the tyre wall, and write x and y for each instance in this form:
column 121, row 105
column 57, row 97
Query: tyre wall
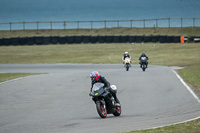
column 40, row 40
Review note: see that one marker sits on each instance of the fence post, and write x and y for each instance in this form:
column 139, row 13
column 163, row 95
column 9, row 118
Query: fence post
column 118, row 23
column 10, row 26
column 64, row 25
column 91, row 24
column 51, row 25
column 156, row 23
column 193, row 22
column 23, row 25
column 169, row 22
column 131, row 21
column 144, row 23
column 78, row 24
column 37, row 25
column 181, row 22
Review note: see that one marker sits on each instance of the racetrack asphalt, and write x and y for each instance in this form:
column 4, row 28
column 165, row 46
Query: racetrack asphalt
column 58, row 102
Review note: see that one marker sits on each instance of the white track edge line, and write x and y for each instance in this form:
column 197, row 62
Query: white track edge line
column 195, row 96
column 176, row 123
column 11, row 80
column 189, row 89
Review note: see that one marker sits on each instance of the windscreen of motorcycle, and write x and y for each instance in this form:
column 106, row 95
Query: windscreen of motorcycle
column 97, row 86
column 143, row 58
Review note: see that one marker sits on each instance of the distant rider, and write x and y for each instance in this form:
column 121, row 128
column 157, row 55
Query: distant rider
column 97, row 78
column 126, row 55
column 143, row 55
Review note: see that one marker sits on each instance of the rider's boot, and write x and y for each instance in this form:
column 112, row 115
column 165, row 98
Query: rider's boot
column 116, row 100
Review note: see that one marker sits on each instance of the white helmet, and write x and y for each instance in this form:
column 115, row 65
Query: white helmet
column 126, row 52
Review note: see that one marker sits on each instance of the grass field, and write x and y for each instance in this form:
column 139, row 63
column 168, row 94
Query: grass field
column 159, row 54
column 9, row 76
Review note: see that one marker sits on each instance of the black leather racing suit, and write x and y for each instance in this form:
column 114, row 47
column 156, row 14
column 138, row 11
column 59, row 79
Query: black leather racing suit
column 143, row 55
column 126, row 55
column 106, row 84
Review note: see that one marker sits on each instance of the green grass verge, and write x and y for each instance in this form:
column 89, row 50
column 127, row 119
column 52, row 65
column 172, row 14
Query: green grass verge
column 9, row 76
column 188, row 127
column 186, row 31
column 191, row 75
column 173, row 54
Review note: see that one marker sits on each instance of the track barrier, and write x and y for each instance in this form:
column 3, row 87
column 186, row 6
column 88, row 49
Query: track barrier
column 62, row 40
column 40, row 40
column 86, row 39
column 139, row 39
column 196, row 39
column 14, row 41
column 78, row 39
column 170, row 39
column 54, row 39
column 109, row 39
column 93, row 39
column 70, row 39
column 176, row 39
column 162, row 39
column 30, row 40
column 101, row 39
column 132, row 39
column 124, row 39
column 147, row 38
column 155, row 38
column 116, row 39
column 47, row 40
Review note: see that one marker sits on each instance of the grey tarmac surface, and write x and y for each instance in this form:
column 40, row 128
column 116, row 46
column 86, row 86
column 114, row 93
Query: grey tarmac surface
column 58, row 102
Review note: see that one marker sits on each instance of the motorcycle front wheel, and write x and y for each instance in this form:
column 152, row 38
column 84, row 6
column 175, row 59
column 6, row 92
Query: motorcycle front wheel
column 127, row 67
column 118, row 111
column 101, row 109
column 143, row 67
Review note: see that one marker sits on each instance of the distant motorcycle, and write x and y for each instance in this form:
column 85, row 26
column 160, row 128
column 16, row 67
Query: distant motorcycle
column 105, row 103
column 143, row 62
column 127, row 62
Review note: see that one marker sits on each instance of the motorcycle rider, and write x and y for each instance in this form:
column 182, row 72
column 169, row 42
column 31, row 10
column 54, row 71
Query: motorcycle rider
column 126, row 55
column 96, row 77
column 143, row 55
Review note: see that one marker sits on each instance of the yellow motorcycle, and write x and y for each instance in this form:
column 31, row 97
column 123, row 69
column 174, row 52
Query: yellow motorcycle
column 127, row 63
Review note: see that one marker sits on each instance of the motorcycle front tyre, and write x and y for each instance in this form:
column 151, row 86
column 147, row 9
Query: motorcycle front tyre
column 118, row 111
column 101, row 109
column 143, row 67
column 127, row 67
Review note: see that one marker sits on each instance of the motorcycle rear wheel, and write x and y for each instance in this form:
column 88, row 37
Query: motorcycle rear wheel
column 101, row 109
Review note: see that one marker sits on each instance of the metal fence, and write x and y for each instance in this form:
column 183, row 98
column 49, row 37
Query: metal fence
column 145, row 23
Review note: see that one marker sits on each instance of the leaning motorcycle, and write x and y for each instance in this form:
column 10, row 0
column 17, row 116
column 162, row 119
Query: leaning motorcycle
column 143, row 62
column 127, row 62
column 105, row 103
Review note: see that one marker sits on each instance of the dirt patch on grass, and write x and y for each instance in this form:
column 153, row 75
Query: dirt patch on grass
column 196, row 90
